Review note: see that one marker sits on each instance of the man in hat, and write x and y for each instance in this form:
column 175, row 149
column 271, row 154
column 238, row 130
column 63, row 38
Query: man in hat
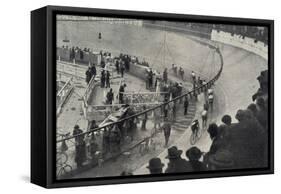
column 194, row 154
column 167, row 131
column 76, row 132
column 176, row 163
column 155, row 166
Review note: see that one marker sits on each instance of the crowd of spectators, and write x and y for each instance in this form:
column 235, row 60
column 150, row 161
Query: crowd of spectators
column 255, row 32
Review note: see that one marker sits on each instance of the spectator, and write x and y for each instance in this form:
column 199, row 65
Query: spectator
column 167, row 132
column 217, row 142
column 102, row 79
column 109, row 96
column 221, row 160
column 176, row 163
column 194, row 154
column 122, row 68
column 143, row 125
column 185, row 105
column 165, row 76
column 93, row 71
column 107, row 79
column 262, row 113
column 226, row 119
column 80, row 147
column 155, row 166
column 88, row 75
column 223, row 128
column 117, row 66
column 121, row 91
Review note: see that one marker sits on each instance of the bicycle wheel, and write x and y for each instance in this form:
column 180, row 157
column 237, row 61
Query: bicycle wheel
column 61, row 158
column 192, row 139
column 199, row 133
column 67, row 169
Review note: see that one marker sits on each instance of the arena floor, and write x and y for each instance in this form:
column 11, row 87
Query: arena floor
column 233, row 90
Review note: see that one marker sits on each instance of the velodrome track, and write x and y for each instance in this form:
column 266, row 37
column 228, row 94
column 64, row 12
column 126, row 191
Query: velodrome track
column 233, row 89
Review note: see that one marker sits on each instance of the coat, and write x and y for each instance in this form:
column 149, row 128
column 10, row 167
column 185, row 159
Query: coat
column 178, row 165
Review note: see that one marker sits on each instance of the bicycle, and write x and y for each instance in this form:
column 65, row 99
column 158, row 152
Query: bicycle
column 62, row 158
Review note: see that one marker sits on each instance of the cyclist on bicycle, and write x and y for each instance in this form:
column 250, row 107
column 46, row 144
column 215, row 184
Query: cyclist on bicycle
column 211, row 100
column 195, row 127
column 204, row 116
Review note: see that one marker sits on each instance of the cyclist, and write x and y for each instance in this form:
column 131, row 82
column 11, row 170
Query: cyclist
column 204, row 116
column 195, row 127
column 211, row 100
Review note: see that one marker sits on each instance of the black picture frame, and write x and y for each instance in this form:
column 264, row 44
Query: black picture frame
column 43, row 84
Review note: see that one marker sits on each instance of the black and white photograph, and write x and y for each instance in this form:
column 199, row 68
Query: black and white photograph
column 145, row 97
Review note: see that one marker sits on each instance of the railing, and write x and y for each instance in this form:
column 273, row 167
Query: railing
column 63, row 94
column 128, row 123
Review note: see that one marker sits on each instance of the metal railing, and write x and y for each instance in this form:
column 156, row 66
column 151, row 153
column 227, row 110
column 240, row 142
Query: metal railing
column 63, row 94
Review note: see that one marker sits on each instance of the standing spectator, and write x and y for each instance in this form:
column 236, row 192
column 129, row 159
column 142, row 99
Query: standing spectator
column 80, row 147
column 122, row 68
column 174, row 110
column 165, row 76
column 88, row 75
column 121, row 91
column 109, row 97
column 194, row 154
column 93, row 148
column 157, row 119
column 92, row 125
column 102, row 79
column 185, row 105
column 107, row 79
column 105, row 141
column 93, row 71
column 115, row 140
column 176, row 163
column 180, row 91
column 181, row 73
column 144, row 120
column 76, row 132
column 167, row 132
column 150, row 78
column 155, row 166
column 117, row 66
